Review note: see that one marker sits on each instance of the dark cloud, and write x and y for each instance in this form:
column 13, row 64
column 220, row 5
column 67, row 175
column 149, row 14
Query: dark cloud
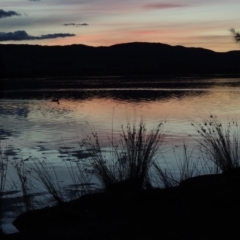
column 22, row 35
column 34, row 0
column 4, row 14
column 69, row 24
column 55, row 35
column 75, row 24
column 161, row 5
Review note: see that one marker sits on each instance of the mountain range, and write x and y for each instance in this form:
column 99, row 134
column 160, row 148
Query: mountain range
column 136, row 58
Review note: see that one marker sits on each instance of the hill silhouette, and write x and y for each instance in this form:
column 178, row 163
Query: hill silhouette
column 122, row 59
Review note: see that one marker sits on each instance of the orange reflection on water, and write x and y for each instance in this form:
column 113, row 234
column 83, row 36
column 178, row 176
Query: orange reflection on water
column 178, row 108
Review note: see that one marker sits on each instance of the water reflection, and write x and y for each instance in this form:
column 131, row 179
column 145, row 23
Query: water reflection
column 37, row 125
column 135, row 94
column 4, row 134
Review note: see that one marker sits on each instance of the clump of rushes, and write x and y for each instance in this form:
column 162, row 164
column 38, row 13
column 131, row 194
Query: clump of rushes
column 129, row 160
column 219, row 143
column 140, row 149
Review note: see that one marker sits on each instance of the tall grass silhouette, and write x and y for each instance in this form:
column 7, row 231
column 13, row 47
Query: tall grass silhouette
column 129, row 159
column 219, row 143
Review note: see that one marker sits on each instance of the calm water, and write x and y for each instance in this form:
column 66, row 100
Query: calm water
column 31, row 124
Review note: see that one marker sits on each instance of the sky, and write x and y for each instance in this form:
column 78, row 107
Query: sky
column 190, row 23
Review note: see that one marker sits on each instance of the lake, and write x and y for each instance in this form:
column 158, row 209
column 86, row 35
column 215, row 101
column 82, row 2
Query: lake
column 32, row 125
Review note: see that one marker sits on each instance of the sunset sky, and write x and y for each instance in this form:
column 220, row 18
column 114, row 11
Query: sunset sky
column 191, row 23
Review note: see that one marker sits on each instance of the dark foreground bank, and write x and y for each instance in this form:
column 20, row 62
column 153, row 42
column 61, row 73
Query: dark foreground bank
column 204, row 207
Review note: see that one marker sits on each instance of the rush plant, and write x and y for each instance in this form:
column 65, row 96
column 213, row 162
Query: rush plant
column 129, row 159
column 219, row 143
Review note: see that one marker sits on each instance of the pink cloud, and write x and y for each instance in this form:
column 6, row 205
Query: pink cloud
column 161, row 5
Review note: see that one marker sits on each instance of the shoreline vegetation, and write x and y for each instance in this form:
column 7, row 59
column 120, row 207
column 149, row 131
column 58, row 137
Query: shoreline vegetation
column 139, row 197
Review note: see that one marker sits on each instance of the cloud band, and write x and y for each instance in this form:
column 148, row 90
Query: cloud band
column 5, row 14
column 75, row 24
column 22, row 35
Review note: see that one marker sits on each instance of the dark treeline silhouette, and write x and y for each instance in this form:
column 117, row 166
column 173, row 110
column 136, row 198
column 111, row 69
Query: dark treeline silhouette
column 122, row 59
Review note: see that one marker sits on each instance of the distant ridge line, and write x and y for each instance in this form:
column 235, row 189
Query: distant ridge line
column 134, row 58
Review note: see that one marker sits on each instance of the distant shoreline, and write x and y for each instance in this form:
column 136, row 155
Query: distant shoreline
column 143, row 81
column 130, row 59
